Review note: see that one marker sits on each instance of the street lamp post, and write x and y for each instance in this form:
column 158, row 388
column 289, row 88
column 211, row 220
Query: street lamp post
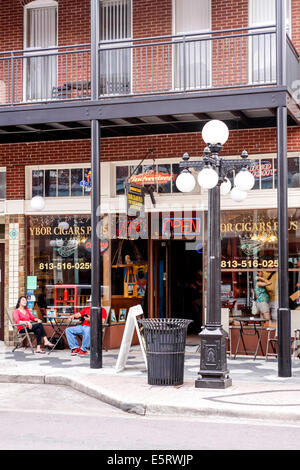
column 213, row 171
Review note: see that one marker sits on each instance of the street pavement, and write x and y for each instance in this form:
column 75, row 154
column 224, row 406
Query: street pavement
column 256, row 393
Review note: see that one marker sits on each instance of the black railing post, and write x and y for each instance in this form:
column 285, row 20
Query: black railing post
column 284, row 315
column 96, row 317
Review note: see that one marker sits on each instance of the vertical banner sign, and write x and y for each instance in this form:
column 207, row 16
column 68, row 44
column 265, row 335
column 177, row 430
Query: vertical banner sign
column 135, row 200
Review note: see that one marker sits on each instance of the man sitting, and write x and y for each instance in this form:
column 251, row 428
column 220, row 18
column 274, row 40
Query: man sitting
column 83, row 329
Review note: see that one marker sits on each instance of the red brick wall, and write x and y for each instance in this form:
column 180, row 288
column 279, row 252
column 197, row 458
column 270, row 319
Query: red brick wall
column 150, row 18
column 16, row 156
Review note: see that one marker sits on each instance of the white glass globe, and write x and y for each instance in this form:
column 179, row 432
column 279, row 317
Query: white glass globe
column 208, row 178
column 37, row 203
column 185, row 182
column 215, row 132
column 237, row 195
column 225, row 187
column 244, row 180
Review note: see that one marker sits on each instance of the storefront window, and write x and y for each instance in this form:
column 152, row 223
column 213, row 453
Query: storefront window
column 121, row 178
column 37, row 183
column 250, row 249
column 2, row 184
column 76, row 178
column 50, row 183
column 61, row 182
column 267, row 171
column 59, row 254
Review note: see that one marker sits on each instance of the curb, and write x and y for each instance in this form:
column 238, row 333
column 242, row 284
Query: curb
column 267, row 414
column 101, row 395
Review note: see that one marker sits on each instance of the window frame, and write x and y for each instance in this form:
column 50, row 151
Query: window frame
column 29, row 170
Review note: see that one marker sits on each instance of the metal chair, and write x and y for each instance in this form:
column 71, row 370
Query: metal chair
column 295, row 333
column 19, row 338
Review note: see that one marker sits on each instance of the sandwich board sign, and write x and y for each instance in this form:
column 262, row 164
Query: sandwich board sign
column 130, row 325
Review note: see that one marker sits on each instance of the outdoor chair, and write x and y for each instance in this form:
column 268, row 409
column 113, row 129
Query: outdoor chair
column 295, row 333
column 19, row 338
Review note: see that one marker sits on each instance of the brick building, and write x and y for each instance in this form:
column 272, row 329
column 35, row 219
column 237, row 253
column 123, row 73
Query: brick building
column 165, row 68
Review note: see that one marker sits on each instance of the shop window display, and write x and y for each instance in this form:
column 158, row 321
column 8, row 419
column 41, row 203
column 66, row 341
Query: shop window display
column 59, row 254
column 250, row 256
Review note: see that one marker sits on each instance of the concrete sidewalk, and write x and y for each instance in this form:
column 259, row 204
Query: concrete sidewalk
column 256, row 393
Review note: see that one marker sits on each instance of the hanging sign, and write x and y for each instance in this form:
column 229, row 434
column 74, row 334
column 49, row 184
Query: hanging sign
column 135, row 200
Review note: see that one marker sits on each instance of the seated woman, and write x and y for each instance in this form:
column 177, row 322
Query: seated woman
column 22, row 316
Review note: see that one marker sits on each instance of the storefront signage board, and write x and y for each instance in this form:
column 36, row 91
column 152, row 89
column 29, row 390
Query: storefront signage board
column 135, row 200
column 130, row 326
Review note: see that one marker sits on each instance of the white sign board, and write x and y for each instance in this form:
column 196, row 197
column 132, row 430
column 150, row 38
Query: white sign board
column 130, row 325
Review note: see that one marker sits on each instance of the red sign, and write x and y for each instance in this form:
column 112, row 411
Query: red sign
column 264, row 170
column 181, row 226
column 152, row 177
column 137, row 228
column 104, row 244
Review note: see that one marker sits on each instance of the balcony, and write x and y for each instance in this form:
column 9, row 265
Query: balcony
column 239, row 64
column 218, row 60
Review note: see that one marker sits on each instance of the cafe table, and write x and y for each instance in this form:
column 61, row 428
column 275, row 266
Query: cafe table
column 59, row 324
column 250, row 326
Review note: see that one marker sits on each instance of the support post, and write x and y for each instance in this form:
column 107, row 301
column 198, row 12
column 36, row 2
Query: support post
column 284, row 314
column 96, row 317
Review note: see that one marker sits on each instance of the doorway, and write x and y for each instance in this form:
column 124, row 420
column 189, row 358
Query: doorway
column 178, row 281
column 2, row 251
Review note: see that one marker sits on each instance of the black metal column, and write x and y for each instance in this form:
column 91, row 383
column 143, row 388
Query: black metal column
column 284, row 314
column 213, row 318
column 96, row 317
column 213, row 362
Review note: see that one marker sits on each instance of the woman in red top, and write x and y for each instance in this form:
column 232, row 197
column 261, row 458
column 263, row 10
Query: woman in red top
column 22, row 316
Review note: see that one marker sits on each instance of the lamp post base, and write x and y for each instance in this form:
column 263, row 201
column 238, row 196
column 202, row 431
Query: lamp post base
column 213, row 364
column 210, row 382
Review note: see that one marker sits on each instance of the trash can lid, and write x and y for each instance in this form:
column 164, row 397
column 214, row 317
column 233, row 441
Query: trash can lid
column 165, row 323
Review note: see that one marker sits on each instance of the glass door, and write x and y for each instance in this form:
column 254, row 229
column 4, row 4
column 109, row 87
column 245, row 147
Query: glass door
column 160, row 286
column 40, row 75
column 115, row 59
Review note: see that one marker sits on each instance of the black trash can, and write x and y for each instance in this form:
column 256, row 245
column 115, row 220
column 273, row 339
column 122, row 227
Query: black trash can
column 165, row 346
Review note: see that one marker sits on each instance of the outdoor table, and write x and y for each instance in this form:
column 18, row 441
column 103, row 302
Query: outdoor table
column 255, row 329
column 57, row 323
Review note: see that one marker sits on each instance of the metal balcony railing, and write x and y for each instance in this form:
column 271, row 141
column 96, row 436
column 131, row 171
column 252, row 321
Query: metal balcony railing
column 212, row 60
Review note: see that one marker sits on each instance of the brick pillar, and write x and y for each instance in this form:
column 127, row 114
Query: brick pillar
column 15, row 274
